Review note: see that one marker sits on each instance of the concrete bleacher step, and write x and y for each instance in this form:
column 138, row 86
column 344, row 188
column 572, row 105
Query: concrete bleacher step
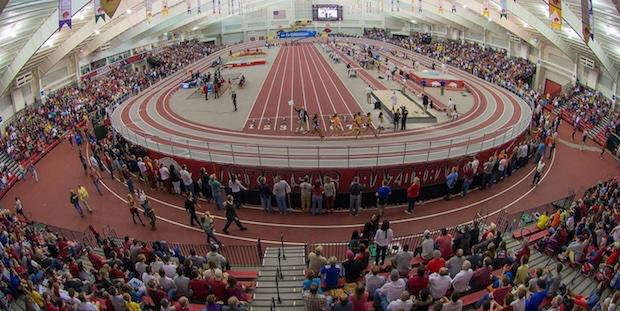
column 300, row 267
column 285, row 272
column 273, row 291
column 285, row 305
column 271, row 282
column 284, row 296
column 273, row 262
column 268, row 283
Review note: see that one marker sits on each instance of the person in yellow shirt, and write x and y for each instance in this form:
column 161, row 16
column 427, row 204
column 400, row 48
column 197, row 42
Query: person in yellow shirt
column 83, row 196
column 131, row 305
column 523, row 272
column 542, row 221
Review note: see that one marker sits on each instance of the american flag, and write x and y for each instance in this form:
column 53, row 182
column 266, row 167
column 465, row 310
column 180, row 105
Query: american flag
column 279, row 14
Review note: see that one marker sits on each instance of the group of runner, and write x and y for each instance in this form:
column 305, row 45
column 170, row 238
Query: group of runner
column 360, row 124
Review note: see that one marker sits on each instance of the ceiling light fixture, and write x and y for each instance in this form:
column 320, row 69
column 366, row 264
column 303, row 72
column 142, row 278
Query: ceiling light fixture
column 195, row 28
column 96, row 31
column 129, row 11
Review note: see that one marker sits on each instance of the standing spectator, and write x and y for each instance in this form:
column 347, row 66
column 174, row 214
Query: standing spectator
column 231, row 215
column 330, row 194
column 216, row 191
column 383, row 195
column 455, row 263
column 233, row 96
column 235, row 187
column 206, row 222
column 402, row 261
column 383, row 238
column 413, row 192
column 281, row 190
column 390, row 291
column 83, row 196
column 265, row 195
column 540, row 167
column 306, row 194
column 427, row 246
column 316, row 261
column 75, row 201
column 418, row 281
column 317, row 198
column 131, row 204
column 352, row 268
column 468, row 178
column 175, row 178
column 190, row 208
column 186, row 178
column 444, row 243
column 355, row 196
column 460, row 282
column 451, row 180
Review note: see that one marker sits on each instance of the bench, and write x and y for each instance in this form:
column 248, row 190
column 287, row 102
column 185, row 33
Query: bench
column 526, row 231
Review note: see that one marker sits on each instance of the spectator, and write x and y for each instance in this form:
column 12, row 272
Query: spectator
column 417, row 282
column 313, row 300
column 390, row 291
column 461, row 280
column 439, row 283
column 402, row 261
column 331, row 273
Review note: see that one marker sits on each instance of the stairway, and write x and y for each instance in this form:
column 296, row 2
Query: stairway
column 11, row 165
column 597, row 133
column 289, row 285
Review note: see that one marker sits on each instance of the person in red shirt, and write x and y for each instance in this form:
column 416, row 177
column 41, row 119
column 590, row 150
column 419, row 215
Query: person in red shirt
column 412, row 195
column 444, row 241
column 205, row 90
column 218, row 287
column 436, row 263
column 199, row 287
column 96, row 260
column 417, row 282
column 468, row 177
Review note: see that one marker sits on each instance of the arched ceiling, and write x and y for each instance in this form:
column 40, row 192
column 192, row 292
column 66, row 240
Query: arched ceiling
column 29, row 36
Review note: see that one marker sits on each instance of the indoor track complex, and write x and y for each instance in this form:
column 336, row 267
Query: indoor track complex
column 356, row 155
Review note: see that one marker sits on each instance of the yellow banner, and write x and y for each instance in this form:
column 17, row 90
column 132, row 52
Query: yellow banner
column 555, row 14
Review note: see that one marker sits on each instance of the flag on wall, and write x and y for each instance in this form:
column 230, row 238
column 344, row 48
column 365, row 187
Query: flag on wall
column 279, row 14
column 503, row 12
column 587, row 19
column 110, row 6
column 189, row 6
column 64, row 13
column 198, row 6
column 440, row 6
column 485, row 8
column 165, row 9
column 555, row 13
column 453, row 6
column 148, row 8
column 99, row 13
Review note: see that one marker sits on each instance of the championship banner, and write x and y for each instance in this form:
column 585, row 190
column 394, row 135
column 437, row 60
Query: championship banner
column 587, row 20
column 485, row 8
column 148, row 8
column 64, row 13
column 165, row 9
column 213, row 6
column 198, row 6
column 440, row 6
column 392, row 5
column 110, row 6
column 420, row 6
column 503, row 12
column 555, row 13
column 397, row 5
column 453, row 5
column 189, row 6
column 99, row 13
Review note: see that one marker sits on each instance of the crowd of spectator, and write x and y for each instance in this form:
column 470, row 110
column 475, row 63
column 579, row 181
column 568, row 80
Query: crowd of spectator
column 588, row 108
column 476, row 259
column 46, row 271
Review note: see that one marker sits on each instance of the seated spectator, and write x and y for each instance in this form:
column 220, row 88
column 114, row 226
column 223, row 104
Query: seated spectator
column 404, row 303
column 439, row 283
column 390, row 291
column 444, row 243
column 423, row 302
column 316, row 261
column 402, row 261
column 234, row 290
column 217, row 285
column 199, row 287
column 217, row 258
column 352, row 268
column 481, row 278
column 343, row 303
column 519, row 303
column 460, row 282
column 455, row 263
column 417, row 282
column 436, row 263
column 534, row 301
column 359, row 298
column 313, row 300
column 311, row 278
column 331, row 273
column 234, row 304
column 428, row 246
column 373, row 281
column 212, row 304
column 498, row 294
column 453, row 304
column 475, row 258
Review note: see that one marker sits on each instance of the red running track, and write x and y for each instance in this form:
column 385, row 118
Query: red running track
column 302, row 74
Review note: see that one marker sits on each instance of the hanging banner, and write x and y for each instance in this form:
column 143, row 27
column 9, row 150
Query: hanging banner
column 555, row 14
column 110, row 6
column 189, row 6
column 587, row 19
column 503, row 12
column 420, row 6
column 453, row 6
column 485, row 8
column 99, row 13
column 397, row 5
column 392, row 5
column 198, row 6
column 440, row 6
column 165, row 9
column 148, row 8
column 64, row 13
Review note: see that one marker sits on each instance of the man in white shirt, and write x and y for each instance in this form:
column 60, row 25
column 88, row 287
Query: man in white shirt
column 460, row 283
column 475, row 163
column 391, row 290
column 403, row 303
column 540, row 167
column 394, row 100
column 142, row 169
column 428, row 246
column 166, row 283
column 439, row 283
column 455, row 263
column 368, row 94
column 186, row 177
